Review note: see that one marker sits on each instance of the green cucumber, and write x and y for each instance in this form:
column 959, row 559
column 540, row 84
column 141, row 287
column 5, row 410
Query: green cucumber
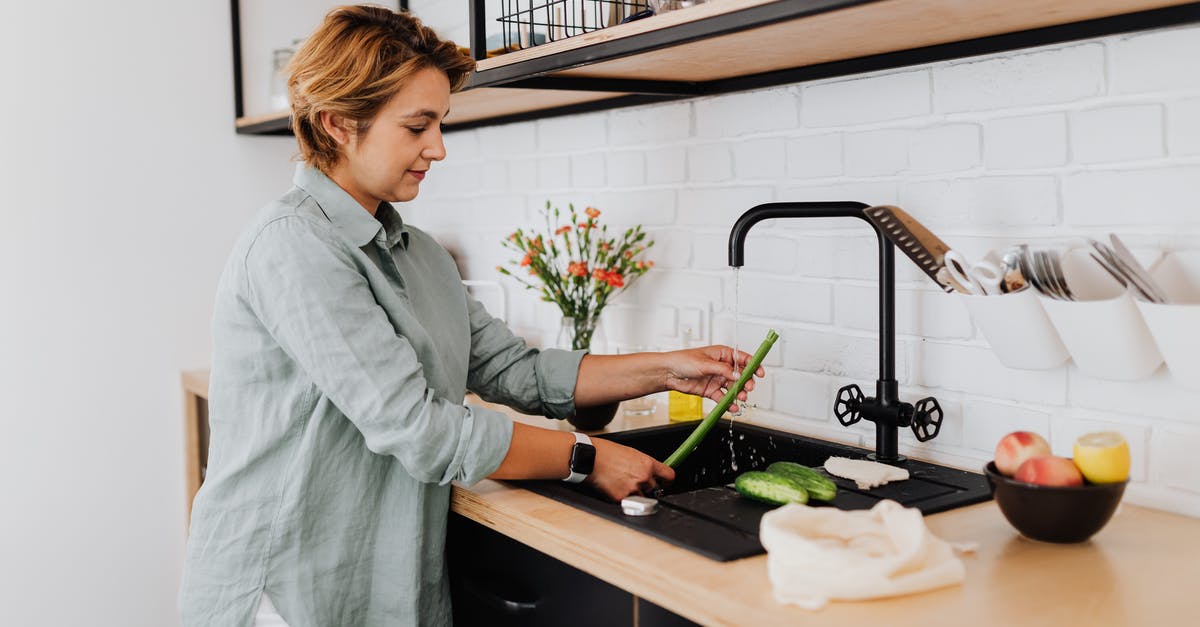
column 819, row 486
column 770, row 488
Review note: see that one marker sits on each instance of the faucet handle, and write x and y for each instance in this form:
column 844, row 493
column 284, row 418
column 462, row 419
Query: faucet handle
column 848, row 406
column 927, row 419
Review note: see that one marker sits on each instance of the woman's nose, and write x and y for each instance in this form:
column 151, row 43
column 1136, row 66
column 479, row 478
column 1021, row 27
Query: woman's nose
column 436, row 150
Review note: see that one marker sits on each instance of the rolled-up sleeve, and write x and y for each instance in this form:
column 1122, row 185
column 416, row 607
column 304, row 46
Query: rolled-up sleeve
column 308, row 290
column 504, row 369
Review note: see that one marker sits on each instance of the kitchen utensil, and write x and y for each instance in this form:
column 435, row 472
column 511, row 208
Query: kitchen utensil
column 982, row 278
column 1120, row 270
column 910, row 236
column 1152, row 287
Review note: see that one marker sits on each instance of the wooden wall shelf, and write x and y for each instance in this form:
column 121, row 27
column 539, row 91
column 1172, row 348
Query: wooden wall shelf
column 736, row 45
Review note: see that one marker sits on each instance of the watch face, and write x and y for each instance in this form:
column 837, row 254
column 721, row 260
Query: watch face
column 583, row 457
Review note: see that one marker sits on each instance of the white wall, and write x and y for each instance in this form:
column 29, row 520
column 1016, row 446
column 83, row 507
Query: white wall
column 125, row 187
column 1037, row 146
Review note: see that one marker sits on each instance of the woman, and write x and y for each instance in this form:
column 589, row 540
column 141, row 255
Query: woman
column 343, row 342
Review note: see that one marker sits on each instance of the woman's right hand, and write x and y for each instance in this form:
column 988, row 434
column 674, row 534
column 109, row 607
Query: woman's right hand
column 620, row 471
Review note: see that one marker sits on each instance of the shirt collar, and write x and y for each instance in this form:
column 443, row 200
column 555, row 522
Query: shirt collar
column 347, row 215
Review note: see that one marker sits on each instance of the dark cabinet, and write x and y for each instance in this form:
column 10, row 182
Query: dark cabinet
column 496, row 581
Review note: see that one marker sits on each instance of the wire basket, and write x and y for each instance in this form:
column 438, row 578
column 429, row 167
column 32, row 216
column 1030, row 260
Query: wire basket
column 527, row 23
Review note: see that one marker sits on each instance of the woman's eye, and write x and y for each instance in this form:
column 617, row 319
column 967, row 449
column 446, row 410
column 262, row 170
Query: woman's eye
column 416, row 130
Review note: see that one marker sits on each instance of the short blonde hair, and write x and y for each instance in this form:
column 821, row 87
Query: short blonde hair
column 357, row 59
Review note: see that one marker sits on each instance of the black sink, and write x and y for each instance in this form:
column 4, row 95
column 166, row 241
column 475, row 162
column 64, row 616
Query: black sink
column 703, row 513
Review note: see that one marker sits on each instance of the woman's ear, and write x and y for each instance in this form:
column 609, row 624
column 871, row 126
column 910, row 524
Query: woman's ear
column 337, row 126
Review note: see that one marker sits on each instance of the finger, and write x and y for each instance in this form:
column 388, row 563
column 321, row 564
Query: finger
column 663, row 472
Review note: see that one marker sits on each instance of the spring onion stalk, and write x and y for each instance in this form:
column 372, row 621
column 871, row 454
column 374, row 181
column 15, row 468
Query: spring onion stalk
column 706, row 425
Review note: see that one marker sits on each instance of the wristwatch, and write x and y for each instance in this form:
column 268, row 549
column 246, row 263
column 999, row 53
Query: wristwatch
column 583, row 457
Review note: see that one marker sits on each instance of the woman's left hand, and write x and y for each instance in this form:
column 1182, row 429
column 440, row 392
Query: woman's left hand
column 708, row 371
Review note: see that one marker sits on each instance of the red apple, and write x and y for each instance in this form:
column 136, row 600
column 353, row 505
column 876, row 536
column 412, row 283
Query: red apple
column 1049, row 470
column 1017, row 447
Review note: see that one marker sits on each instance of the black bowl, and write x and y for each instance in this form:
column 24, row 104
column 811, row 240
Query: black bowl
column 1054, row 514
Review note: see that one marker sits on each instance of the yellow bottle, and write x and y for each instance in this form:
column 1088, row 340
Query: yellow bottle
column 684, row 407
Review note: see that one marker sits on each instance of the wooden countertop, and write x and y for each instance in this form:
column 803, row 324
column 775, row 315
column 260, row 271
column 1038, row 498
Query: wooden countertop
column 1143, row 568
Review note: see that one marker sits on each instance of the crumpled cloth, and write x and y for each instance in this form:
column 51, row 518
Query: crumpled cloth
column 818, row 554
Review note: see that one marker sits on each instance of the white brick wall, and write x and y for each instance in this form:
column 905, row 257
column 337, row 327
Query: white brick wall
column 1039, row 145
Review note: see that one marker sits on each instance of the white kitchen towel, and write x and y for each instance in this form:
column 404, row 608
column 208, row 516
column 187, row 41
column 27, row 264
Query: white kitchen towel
column 817, row 554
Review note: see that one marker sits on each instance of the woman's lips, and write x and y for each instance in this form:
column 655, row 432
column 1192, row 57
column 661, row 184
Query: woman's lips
column 418, row 174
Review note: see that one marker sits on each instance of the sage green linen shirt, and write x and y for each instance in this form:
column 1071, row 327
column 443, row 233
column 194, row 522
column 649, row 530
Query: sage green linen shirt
column 343, row 346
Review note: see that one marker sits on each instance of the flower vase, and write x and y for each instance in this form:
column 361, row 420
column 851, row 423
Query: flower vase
column 579, row 334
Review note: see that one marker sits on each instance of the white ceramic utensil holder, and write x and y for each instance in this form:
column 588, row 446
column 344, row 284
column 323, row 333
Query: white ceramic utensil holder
column 1018, row 329
column 1174, row 326
column 1102, row 329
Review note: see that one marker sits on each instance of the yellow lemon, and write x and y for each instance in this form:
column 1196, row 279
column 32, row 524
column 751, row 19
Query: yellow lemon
column 1102, row 457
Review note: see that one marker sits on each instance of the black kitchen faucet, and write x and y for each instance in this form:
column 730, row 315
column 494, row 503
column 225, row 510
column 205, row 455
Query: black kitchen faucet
column 885, row 409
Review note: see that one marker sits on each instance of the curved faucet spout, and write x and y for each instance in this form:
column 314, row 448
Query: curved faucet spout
column 839, row 209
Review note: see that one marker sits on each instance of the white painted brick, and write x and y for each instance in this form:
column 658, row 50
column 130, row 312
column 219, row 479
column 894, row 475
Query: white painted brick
column 1123, row 133
column 985, row 423
column 719, row 206
column 928, row 313
column 554, row 173
column 816, row 256
column 666, row 165
column 625, row 327
column 1030, row 141
column 573, row 132
column 587, row 170
column 975, row 370
column 1183, row 127
column 802, row 301
column 751, row 112
column 522, row 174
column 760, row 158
column 1173, row 459
column 750, row 335
column 461, row 145
column 649, row 125
column 948, row 148
column 666, row 323
column 535, row 205
column 1159, row 60
column 856, row 257
column 763, row 252
column 1156, row 396
column 876, row 153
column 985, row 201
column 626, row 168
column 507, row 139
column 672, row 249
column 680, row 288
column 889, row 96
column 870, row 192
column 1064, row 430
column 647, row 207
column 1151, row 197
column 709, row 163
column 433, row 213
column 815, row 156
column 762, row 397
column 499, row 210
column 837, row 355
column 451, row 180
column 495, row 177
column 1013, row 80
column 801, row 394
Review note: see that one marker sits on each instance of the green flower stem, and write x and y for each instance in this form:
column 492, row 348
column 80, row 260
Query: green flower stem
column 706, row 425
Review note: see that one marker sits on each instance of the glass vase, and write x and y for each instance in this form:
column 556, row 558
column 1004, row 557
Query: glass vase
column 580, row 333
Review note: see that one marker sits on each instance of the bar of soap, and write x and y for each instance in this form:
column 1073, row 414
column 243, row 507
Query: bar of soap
column 867, row 474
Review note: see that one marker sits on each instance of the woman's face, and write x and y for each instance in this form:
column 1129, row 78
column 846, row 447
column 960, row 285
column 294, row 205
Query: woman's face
column 389, row 161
